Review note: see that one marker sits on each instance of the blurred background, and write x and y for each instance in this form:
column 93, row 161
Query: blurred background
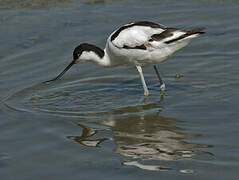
column 95, row 122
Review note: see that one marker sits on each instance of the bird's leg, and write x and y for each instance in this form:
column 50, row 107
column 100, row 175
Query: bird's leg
column 162, row 84
column 146, row 91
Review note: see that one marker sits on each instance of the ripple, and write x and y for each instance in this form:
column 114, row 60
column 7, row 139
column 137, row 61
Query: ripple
column 85, row 97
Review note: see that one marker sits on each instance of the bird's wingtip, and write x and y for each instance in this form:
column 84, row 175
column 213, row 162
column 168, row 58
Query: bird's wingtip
column 200, row 30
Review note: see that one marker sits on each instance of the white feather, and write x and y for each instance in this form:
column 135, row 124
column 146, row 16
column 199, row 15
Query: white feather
column 135, row 36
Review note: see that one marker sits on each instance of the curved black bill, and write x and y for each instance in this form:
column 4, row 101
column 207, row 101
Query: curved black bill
column 63, row 72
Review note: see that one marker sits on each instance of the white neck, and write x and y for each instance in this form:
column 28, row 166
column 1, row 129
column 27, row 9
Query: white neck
column 93, row 57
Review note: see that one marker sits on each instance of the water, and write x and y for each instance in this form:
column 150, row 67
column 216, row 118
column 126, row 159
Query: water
column 94, row 122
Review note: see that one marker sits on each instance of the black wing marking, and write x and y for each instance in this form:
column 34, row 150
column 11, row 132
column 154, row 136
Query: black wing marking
column 142, row 47
column 169, row 32
column 138, row 23
column 188, row 33
column 165, row 34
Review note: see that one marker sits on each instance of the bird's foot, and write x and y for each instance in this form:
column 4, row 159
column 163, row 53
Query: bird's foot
column 146, row 93
column 162, row 87
column 162, row 91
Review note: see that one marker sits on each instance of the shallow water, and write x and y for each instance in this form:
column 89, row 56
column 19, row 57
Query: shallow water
column 95, row 122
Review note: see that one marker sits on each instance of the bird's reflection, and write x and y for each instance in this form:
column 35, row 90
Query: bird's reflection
column 87, row 132
column 140, row 132
column 152, row 137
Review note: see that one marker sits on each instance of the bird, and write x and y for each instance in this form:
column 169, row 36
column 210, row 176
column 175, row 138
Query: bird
column 137, row 44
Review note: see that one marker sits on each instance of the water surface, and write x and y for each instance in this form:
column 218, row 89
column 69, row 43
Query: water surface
column 95, row 122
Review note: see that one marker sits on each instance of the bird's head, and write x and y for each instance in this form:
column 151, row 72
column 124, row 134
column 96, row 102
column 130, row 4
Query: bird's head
column 87, row 52
column 82, row 53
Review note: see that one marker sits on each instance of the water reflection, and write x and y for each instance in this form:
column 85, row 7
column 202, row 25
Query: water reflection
column 152, row 137
column 146, row 167
column 145, row 136
column 87, row 132
column 137, row 128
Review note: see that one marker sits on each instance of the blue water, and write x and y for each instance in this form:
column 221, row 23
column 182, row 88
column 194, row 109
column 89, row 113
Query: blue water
column 95, row 123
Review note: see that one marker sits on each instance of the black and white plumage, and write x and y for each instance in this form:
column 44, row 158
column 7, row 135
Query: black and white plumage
column 137, row 44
